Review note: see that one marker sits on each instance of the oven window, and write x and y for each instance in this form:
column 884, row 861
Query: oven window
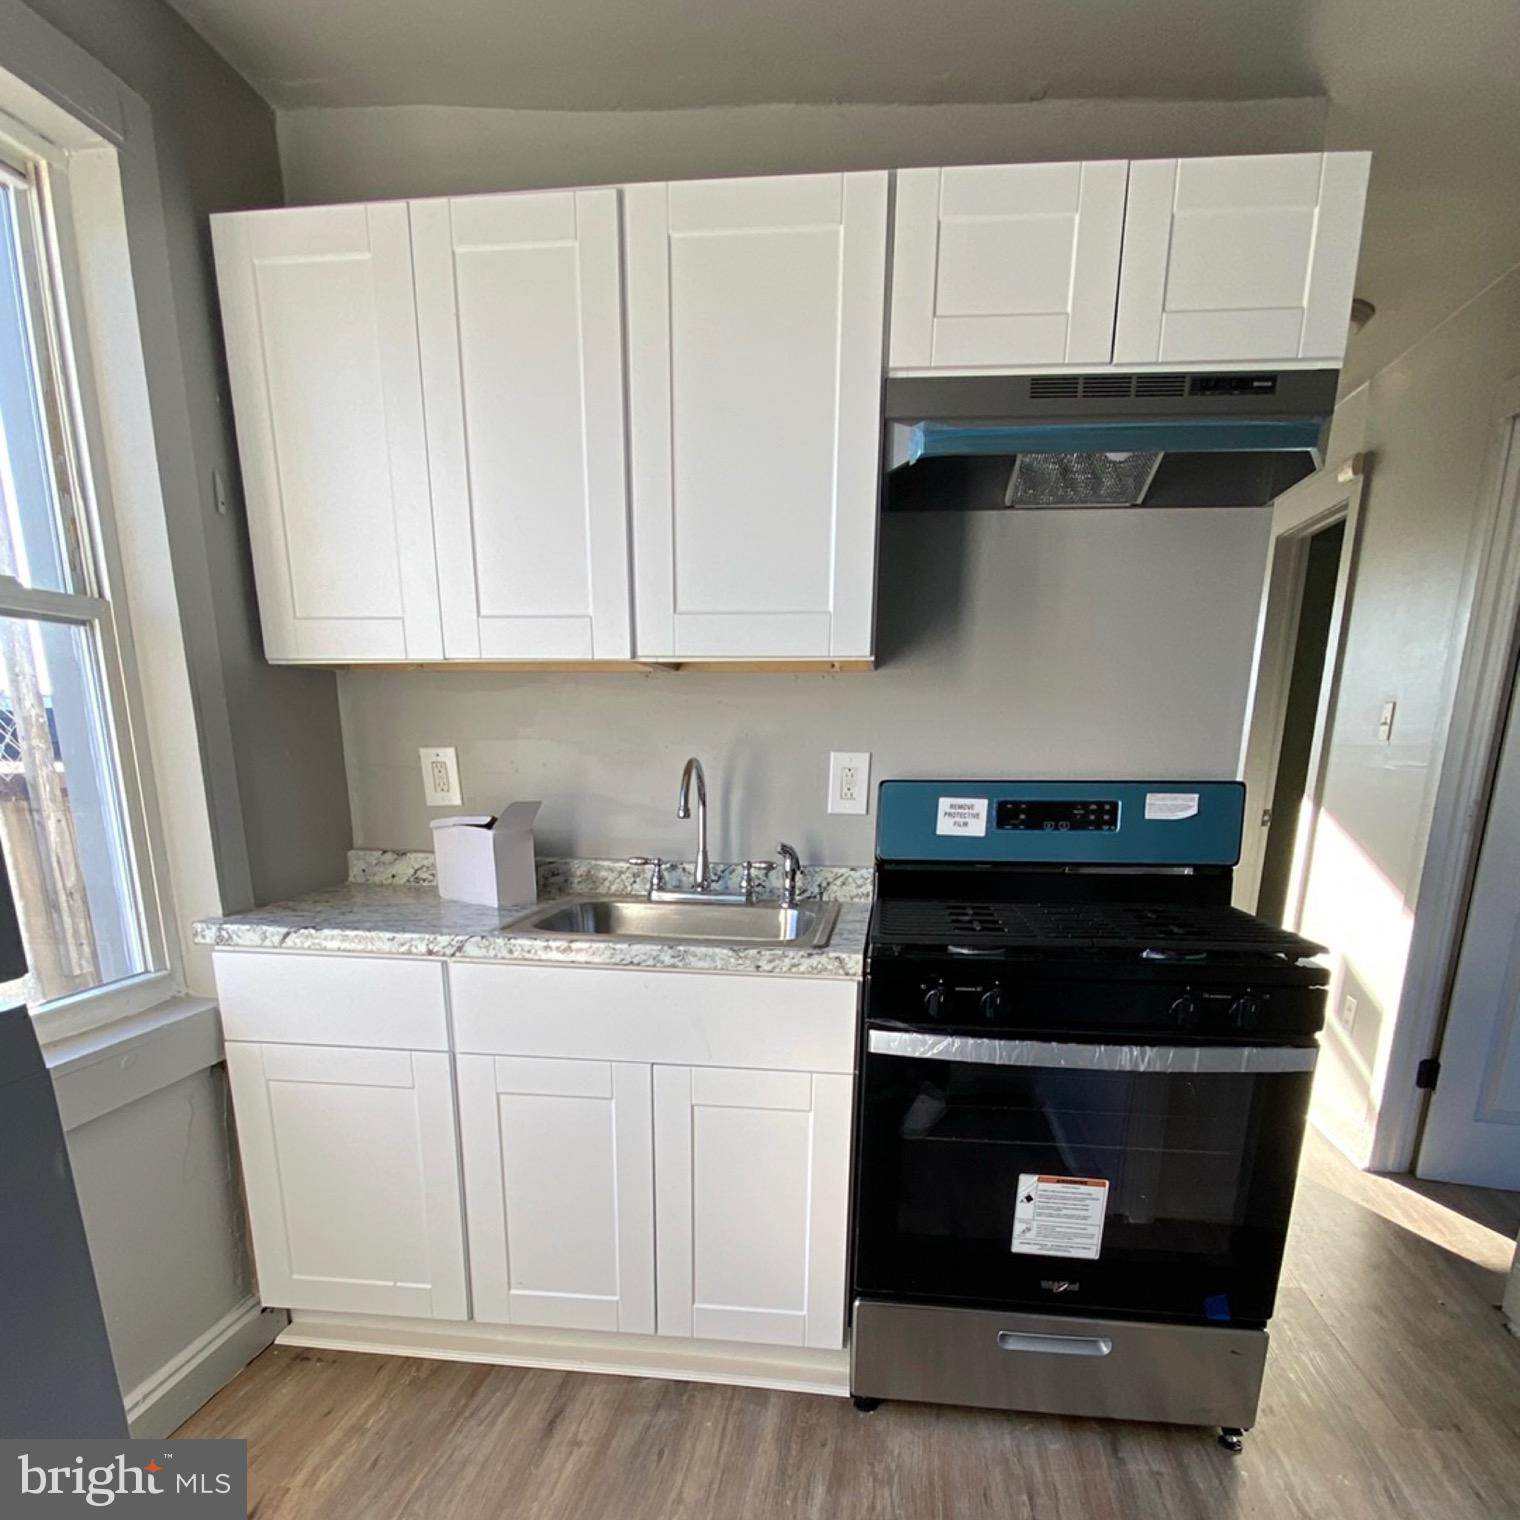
column 1199, row 1168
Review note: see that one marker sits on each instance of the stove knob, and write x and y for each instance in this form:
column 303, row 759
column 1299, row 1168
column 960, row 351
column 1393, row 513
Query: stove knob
column 994, row 1004
column 1245, row 1011
column 936, row 1000
column 1185, row 1010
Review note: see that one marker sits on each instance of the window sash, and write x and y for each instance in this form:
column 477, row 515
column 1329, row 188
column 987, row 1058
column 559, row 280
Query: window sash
column 84, row 502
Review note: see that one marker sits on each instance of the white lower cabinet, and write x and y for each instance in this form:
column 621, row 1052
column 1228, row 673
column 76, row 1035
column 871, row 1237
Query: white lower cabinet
column 351, row 1167
column 752, row 1193
column 559, row 1186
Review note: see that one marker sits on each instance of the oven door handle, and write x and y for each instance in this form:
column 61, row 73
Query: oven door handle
column 1070, row 1055
column 1055, row 1345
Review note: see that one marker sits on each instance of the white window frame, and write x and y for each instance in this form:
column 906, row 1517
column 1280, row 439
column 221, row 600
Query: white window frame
column 94, row 139
column 98, row 608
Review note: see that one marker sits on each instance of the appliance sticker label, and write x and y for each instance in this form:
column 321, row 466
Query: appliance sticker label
column 1059, row 1216
column 1167, row 806
column 963, row 815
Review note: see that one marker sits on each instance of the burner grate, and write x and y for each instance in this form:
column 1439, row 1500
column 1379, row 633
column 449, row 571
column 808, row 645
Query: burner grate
column 1159, row 928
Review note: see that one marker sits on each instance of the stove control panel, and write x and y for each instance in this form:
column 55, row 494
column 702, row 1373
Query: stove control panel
column 1023, row 813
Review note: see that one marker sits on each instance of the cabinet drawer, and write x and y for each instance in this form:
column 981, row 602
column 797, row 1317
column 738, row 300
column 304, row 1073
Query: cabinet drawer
column 783, row 1023
column 288, row 999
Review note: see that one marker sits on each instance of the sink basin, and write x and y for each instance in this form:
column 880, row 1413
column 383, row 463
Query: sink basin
column 805, row 927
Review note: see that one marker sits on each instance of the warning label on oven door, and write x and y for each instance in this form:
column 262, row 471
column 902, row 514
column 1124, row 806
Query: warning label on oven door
column 1059, row 1216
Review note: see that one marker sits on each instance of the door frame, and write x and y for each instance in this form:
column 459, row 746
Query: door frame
column 1484, row 681
column 1327, row 497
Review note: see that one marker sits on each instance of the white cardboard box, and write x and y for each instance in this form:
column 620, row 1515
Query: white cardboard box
column 481, row 860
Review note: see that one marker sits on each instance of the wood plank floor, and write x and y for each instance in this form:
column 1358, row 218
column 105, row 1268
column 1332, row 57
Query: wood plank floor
column 1392, row 1390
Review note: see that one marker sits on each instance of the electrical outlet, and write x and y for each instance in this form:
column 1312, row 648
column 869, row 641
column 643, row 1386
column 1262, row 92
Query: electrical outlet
column 850, row 782
column 1348, row 1013
column 440, row 777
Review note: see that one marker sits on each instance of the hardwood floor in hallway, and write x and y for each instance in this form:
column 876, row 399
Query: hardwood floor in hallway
column 1392, row 1389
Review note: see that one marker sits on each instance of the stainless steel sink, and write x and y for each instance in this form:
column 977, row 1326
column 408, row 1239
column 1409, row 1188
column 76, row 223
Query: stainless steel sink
column 805, row 927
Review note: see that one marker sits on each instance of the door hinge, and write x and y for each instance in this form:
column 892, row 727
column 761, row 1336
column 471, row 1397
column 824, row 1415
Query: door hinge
column 1427, row 1074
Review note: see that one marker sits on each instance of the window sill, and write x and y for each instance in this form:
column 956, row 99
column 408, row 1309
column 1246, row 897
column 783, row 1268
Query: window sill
column 105, row 1068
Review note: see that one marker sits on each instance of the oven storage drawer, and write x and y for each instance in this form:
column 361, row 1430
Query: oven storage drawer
column 1054, row 1364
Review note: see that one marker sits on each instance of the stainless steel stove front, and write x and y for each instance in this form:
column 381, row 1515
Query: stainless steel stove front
column 1054, row 1364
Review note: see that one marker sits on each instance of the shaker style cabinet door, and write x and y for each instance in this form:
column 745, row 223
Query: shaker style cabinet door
column 1006, row 265
column 755, row 329
column 352, row 1175
column 752, row 1201
column 1240, row 260
column 519, row 315
column 321, row 336
column 559, row 1191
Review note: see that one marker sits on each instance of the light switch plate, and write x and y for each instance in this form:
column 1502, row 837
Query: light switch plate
column 1385, row 721
column 850, row 782
column 440, row 777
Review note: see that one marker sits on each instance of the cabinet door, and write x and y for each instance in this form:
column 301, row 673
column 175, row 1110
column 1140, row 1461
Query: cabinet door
column 1006, row 265
column 755, row 311
column 559, row 1191
column 321, row 338
column 1240, row 260
column 351, row 1168
column 752, row 1198
column 519, row 313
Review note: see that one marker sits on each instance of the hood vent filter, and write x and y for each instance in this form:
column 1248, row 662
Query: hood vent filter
column 1080, row 480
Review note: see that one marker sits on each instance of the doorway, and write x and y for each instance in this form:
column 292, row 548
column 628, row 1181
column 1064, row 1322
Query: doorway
column 1300, row 635
column 1299, row 714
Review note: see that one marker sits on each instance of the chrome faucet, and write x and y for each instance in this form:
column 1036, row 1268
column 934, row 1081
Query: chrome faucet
column 701, row 871
column 791, row 868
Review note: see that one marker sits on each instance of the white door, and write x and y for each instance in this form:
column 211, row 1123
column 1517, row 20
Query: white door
column 351, row 1168
column 519, row 314
column 755, row 313
column 1472, row 1126
column 1006, row 265
column 321, row 336
column 559, row 1191
column 1240, row 260
column 752, row 1204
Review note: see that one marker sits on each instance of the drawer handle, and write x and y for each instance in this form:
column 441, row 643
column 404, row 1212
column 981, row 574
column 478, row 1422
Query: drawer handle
column 1055, row 1345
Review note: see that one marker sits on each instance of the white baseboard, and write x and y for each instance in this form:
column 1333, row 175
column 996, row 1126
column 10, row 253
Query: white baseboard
column 795, row 1369
column 162, row 1402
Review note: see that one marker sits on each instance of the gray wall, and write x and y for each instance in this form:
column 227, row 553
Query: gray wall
column 274, row 764
column 1034, row 644
column 1426, row 420
column 377, row 152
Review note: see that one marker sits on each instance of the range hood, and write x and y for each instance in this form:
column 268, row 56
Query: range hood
column 1148, row 439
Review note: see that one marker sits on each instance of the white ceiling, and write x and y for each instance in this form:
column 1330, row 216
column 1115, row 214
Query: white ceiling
column 1432, row 89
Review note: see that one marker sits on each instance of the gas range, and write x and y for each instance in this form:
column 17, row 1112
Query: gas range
column 1083, row 1082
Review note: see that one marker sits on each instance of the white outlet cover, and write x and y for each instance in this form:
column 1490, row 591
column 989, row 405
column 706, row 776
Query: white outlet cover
column 440, row 776
column 850, row 781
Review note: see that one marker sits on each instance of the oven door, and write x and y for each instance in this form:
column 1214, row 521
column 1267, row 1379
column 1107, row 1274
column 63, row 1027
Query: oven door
column 1136, row 1179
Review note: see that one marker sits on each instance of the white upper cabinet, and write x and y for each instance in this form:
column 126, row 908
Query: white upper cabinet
column 321, row 336
column 519, row 316
column 755, row 329
column 1006, row 265
column 1240, row 260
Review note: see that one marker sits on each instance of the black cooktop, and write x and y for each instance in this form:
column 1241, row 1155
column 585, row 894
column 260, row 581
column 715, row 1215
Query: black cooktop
column 1122, row 928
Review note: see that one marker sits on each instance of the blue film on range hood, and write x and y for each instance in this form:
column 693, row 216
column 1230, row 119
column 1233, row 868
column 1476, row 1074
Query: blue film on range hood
column 1201, row 435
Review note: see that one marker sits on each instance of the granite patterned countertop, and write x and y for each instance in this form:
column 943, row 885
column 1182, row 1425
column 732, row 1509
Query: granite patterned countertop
column 390, row 906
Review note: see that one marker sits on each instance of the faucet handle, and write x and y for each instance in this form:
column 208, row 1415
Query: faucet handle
column 747, row 873
column 656, row 870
